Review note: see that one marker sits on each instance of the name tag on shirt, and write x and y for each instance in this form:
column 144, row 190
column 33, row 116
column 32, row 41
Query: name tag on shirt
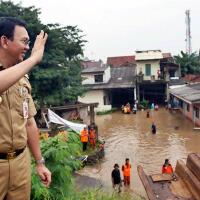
column 25, row 109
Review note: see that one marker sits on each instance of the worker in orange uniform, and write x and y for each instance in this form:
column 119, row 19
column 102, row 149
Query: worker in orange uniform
column 84, row 138
column 167, row 168
column 92, row 137
column 127, row 172
column 128, row 106
column 125, row 109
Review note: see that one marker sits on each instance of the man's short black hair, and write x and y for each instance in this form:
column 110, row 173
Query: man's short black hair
column 116, row 165
column 7, row 26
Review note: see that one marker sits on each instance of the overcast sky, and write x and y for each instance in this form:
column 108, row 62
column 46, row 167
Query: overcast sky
column 119, row 27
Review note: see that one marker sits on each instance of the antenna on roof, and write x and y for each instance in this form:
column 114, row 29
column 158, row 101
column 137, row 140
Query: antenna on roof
column 188, row 33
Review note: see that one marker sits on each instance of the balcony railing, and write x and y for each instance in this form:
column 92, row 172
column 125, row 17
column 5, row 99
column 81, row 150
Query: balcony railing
column 140, row 78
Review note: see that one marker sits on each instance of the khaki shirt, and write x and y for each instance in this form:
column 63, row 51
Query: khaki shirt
column 13, row 133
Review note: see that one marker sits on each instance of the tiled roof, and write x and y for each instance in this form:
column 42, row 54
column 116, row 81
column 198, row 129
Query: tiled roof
column 192, row 78
column 90, row 63
column 121, row 61
column 190, row 93
column 94, row 69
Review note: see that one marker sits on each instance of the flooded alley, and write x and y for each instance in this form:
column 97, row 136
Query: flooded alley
column 130, row 136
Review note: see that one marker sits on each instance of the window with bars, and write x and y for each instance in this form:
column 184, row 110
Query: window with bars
column 98, row 78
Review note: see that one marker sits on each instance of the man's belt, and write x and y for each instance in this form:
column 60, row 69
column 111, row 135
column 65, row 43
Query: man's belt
column 11, row 154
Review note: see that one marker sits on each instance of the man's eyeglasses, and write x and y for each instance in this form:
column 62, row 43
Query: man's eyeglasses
column 25, row 42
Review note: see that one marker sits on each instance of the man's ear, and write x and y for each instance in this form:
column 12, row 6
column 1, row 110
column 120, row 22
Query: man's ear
column 4, row 42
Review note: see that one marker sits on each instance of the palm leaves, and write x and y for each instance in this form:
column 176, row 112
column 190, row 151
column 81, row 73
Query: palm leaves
column 189, row 63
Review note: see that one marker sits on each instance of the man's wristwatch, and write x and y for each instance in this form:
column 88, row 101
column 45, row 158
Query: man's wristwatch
column 41, row 161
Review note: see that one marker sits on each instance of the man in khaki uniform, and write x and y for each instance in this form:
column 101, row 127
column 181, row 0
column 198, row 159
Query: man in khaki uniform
column 18, row 130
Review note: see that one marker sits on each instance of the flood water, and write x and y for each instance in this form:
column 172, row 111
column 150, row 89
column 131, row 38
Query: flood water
column 129, row 136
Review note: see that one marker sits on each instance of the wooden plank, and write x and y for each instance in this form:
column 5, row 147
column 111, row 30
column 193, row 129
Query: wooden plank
column 193, row 163
column 73, row 106
column 189, row 178
column 92, row 114
column 180, row 189
column 161, row 177
column 144, row 179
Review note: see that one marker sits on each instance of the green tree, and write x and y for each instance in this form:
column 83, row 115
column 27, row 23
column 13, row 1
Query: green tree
column 189, row 63
column 57, row 80
column 60, row 153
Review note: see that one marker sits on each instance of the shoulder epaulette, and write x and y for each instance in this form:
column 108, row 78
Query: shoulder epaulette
column 26, row 76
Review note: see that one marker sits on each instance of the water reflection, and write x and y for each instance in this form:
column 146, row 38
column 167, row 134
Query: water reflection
column 130, row 136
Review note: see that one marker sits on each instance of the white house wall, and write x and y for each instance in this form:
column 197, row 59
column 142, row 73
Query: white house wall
column 148, row 55
column 95, row 96
column 88, row 79
column 106, row 76
column 155, row 66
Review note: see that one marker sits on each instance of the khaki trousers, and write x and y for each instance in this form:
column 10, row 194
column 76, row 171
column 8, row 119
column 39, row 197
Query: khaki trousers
column 15, row 177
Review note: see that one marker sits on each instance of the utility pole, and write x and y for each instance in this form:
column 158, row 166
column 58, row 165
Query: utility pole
column 188, row 33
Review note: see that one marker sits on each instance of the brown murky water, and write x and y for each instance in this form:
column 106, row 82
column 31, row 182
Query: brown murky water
column 130, row 136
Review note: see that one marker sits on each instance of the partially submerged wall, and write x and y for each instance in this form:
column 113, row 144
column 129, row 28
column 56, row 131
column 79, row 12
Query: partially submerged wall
column 185, row 186
column 190, row 173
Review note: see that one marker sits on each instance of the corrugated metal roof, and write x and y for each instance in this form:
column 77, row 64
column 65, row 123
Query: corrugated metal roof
column 176, row 82
column 121, row 77
column 189, row 92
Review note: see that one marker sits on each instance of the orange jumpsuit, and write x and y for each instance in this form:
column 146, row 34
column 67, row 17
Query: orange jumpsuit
column 167, row 169
column 127, row 173
column 84, row 138
column 92, row 137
